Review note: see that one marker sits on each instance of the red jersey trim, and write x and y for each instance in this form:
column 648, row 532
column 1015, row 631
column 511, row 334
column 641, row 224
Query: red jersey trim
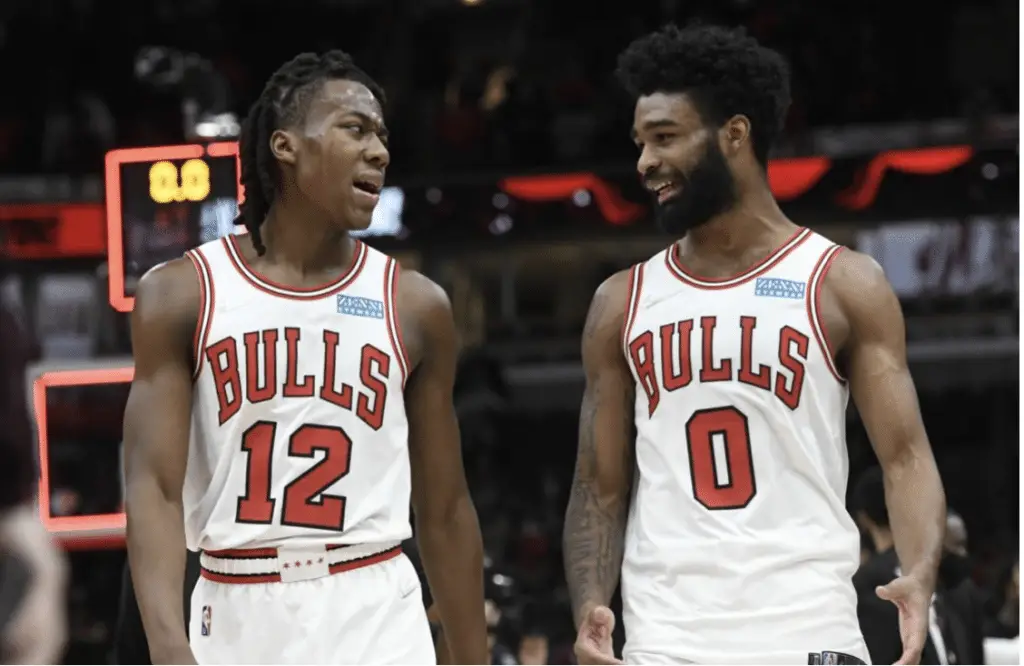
column 766, row 264
column 813, row 299
column 206, row 305
column 636, row 283
column 284, row 291
column 391, row 272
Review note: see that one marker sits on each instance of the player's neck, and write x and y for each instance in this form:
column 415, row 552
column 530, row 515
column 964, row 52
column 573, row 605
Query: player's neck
column 303, row 240
column 753, row 221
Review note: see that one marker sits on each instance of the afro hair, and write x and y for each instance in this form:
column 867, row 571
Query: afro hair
column 725, row 73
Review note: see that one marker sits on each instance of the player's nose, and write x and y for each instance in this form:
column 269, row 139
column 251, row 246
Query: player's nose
column 377, row 154
column 647, row 162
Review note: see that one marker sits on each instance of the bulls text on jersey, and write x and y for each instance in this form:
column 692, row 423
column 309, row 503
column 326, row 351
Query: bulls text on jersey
column 263, row 384
column 784, row 378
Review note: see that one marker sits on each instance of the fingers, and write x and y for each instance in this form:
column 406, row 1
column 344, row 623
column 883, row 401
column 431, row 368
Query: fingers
column 603, row 616
column 889, row 592
column 587, row 654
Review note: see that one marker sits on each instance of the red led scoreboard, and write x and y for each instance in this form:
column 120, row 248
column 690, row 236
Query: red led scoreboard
column 78, row 413
column 160, row 202
column 163, row 201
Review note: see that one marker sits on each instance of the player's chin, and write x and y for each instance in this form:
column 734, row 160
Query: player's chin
column 358, row 218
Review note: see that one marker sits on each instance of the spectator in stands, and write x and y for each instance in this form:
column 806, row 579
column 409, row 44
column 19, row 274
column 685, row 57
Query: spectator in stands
column 955, row 627
column 1005, row 620
column 33, row 623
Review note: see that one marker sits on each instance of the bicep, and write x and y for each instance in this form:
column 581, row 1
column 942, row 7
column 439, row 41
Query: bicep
column 157, row 416
column 435, row 451
column 880, row 381
column 604, row 456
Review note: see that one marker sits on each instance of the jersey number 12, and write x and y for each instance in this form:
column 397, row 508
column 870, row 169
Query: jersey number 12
column 304, row 502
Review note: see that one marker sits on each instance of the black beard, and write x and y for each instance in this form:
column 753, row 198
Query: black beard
column 709, row 189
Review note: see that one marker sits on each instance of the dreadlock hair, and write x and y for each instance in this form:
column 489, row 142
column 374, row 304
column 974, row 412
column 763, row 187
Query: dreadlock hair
column 724, row 72
column 283, row 102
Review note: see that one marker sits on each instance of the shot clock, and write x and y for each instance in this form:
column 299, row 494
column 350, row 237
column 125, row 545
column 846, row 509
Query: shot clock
column 163, row 201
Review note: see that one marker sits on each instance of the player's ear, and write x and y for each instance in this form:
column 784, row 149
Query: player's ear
column 734, row 134
column 283, row 145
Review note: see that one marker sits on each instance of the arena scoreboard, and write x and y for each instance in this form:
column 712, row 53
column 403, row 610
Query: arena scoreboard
column 78, row 410
column 162, row 201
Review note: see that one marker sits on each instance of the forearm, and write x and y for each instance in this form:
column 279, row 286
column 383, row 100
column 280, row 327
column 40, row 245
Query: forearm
column 917, row 511
column 593, row 542
column 452, row 551
column 156, row 553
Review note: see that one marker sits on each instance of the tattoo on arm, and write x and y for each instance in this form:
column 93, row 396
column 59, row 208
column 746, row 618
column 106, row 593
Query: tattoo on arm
column 596, row 516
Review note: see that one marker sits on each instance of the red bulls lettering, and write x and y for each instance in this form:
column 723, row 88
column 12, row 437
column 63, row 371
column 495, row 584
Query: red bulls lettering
column 292, row 387
column 641, row 350
column 792, row 356
column 373, row 372
column 223, row 359
column 675, row 369
column 681, row 332
column 368, row 402
column 341, row 397
column 762, row 378
column 708, row 371
column 260, row 387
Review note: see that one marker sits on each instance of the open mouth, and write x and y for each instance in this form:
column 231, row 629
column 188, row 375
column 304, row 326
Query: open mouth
column 367, row 186
column 665, row 191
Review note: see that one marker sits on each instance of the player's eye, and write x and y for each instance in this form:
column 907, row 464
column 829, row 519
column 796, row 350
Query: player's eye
column 663, row 137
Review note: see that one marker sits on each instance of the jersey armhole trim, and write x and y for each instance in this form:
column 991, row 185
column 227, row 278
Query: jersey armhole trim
column 206, row 303
column 391, row 272
column 821, row 269
column 636, row 283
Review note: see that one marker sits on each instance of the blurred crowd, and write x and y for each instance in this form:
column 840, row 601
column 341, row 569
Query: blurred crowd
column 496, row 85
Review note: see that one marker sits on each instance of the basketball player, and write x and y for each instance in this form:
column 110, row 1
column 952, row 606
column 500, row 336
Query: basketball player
column 732, row 352
column 33, row 573
column 293, row 389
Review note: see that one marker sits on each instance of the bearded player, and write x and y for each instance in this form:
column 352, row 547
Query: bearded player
column 293, row 390
column 732, row 353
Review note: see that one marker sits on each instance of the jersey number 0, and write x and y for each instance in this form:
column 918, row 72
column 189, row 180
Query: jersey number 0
column 304, row 503
column 734, row 488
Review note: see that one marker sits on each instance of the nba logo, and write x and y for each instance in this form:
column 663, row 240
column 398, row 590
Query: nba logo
column 205, row 629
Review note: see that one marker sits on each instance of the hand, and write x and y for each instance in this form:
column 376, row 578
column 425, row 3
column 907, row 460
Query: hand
column 594, row 640
column 37, row 633
column 913, row 600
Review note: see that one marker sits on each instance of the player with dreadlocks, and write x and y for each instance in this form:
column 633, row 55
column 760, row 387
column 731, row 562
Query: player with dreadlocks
column 292, row 393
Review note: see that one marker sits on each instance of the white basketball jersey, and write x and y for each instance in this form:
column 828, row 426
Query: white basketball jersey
column 738, row 541
column 299, row 433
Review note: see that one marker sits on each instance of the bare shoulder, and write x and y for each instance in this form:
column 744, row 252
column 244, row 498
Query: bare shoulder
column 167, row 303
column 425, row 317
column 859, row 285
column 852, row 271
column 858, row 305
column 420, row 295
column 607, row 311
